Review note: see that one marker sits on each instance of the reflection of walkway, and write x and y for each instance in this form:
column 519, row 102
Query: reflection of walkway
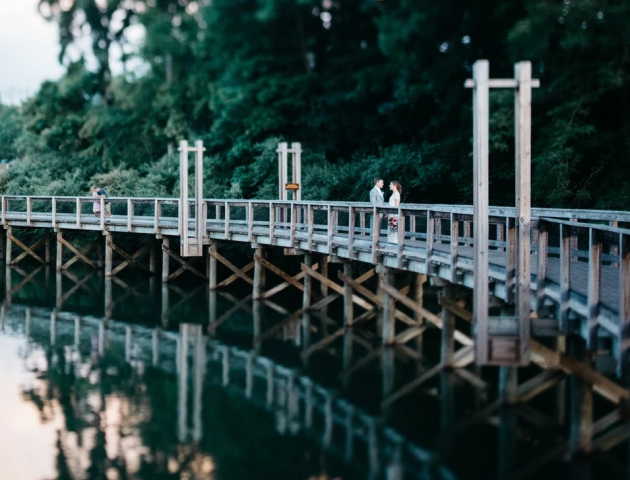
column 299, row 404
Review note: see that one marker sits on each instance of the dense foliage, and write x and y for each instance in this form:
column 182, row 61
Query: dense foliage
column 369, row 87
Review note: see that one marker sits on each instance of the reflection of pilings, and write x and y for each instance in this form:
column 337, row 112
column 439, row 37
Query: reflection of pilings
column 373, row 460
column 270, row 383
column 507, row 454
column 77, row 332
column 3, row 316
column 349, row 446
column 388, row 370
column 182, row 381
column 155, row 346
column 560, row 389
column 53, row 327
column 249, row 375
column 226, row 366
column 328, row 421
column 27, row 323
column 308, row 405
column 102, row 333
column 128, row 339
column 508, row 383
column 199, row 367
column 58, row 290
column 447, row 401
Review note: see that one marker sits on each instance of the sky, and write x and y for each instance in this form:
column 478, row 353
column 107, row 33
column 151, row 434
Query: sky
column 28, row 50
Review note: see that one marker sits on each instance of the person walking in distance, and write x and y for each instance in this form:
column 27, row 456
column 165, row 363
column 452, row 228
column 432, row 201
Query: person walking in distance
column 101, row 193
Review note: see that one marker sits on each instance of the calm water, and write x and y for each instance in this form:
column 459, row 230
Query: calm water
column 121, row 379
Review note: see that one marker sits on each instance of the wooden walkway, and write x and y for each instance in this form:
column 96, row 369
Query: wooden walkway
column 580, row 259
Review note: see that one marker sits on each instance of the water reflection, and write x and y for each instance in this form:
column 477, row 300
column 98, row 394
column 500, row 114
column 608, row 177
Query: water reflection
column 133, row 379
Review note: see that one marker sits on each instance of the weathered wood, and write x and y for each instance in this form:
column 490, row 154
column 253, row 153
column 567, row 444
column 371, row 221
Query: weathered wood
column 258, row 282
column 351, row 224
column 448, row 330
column 129, row 259
column 70, row 247
column 454, row 246
column 429, row 242
column 538, row 384
column 348, row 305
column 565, row 277
column 622, row 343
column 29, row 251
column 593, row 294
column 376, row 231
column 237, row 271
column 480, row 208
column 165, row 258
column 185, row 266
column 389, row 309
column 522, row 107
column 232, row 278
column 287, row 278
column 543, row 242
column 76, row 258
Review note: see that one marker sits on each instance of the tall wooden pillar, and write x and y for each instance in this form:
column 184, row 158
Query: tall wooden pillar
column 47, row 248
column 9, row 253
column 259, row 274
column 109, row 255
column 308, row 283
column 166, row 244
column 448, row 330
column 59, row 259
column 581, row 404
column 2, row 251
column 389, row 309
column 348, row 306
column 109, row 298
column 152, row 257
column 212, row 267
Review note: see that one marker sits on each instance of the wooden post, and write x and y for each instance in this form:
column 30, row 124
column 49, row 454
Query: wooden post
column 523, row 116
column 308, row 283
column 152, row 258
column 623, row 341
column 2, row 250
column 348, row 306
column 47, row 248
column 581, row 405
column 259, row 273
column 418, row 296
column 448, row 330
column 508, row 382
column 109, row 255
column 212, row 267
column 59, row 250
column 594, row 280
column 165, row 259
column 9, row 232
column 480, row 208
column 543, row 242
column 389, row 309
column 109, row 298
column 565, row 277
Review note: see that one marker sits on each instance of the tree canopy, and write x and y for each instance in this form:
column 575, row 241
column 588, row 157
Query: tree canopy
column 369, row 87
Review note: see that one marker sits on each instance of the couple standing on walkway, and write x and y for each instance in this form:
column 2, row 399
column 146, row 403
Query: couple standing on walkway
column 378, row 200
column 98, row 192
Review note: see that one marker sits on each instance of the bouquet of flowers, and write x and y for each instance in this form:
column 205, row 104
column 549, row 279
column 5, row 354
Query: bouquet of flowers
column 393, row 224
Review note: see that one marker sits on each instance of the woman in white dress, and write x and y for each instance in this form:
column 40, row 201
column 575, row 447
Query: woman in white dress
column 394, row 201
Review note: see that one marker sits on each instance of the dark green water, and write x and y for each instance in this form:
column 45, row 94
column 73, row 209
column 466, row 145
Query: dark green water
column 121, row 379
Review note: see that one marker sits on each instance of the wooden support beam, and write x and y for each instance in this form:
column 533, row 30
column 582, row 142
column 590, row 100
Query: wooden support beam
column 258, row 283
column 28, row 251
column 212, row 267
column 541, row 277
column 622, row 344
column 129, row 259
column 237, row 271
column 448, row 330
column 389, row 307
column 348, row 305
column 538, row 384
column 62, row 242
column 307, row 287
column 76, row 258
column 271, row 267
column 165, row 259
column 185, row 265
